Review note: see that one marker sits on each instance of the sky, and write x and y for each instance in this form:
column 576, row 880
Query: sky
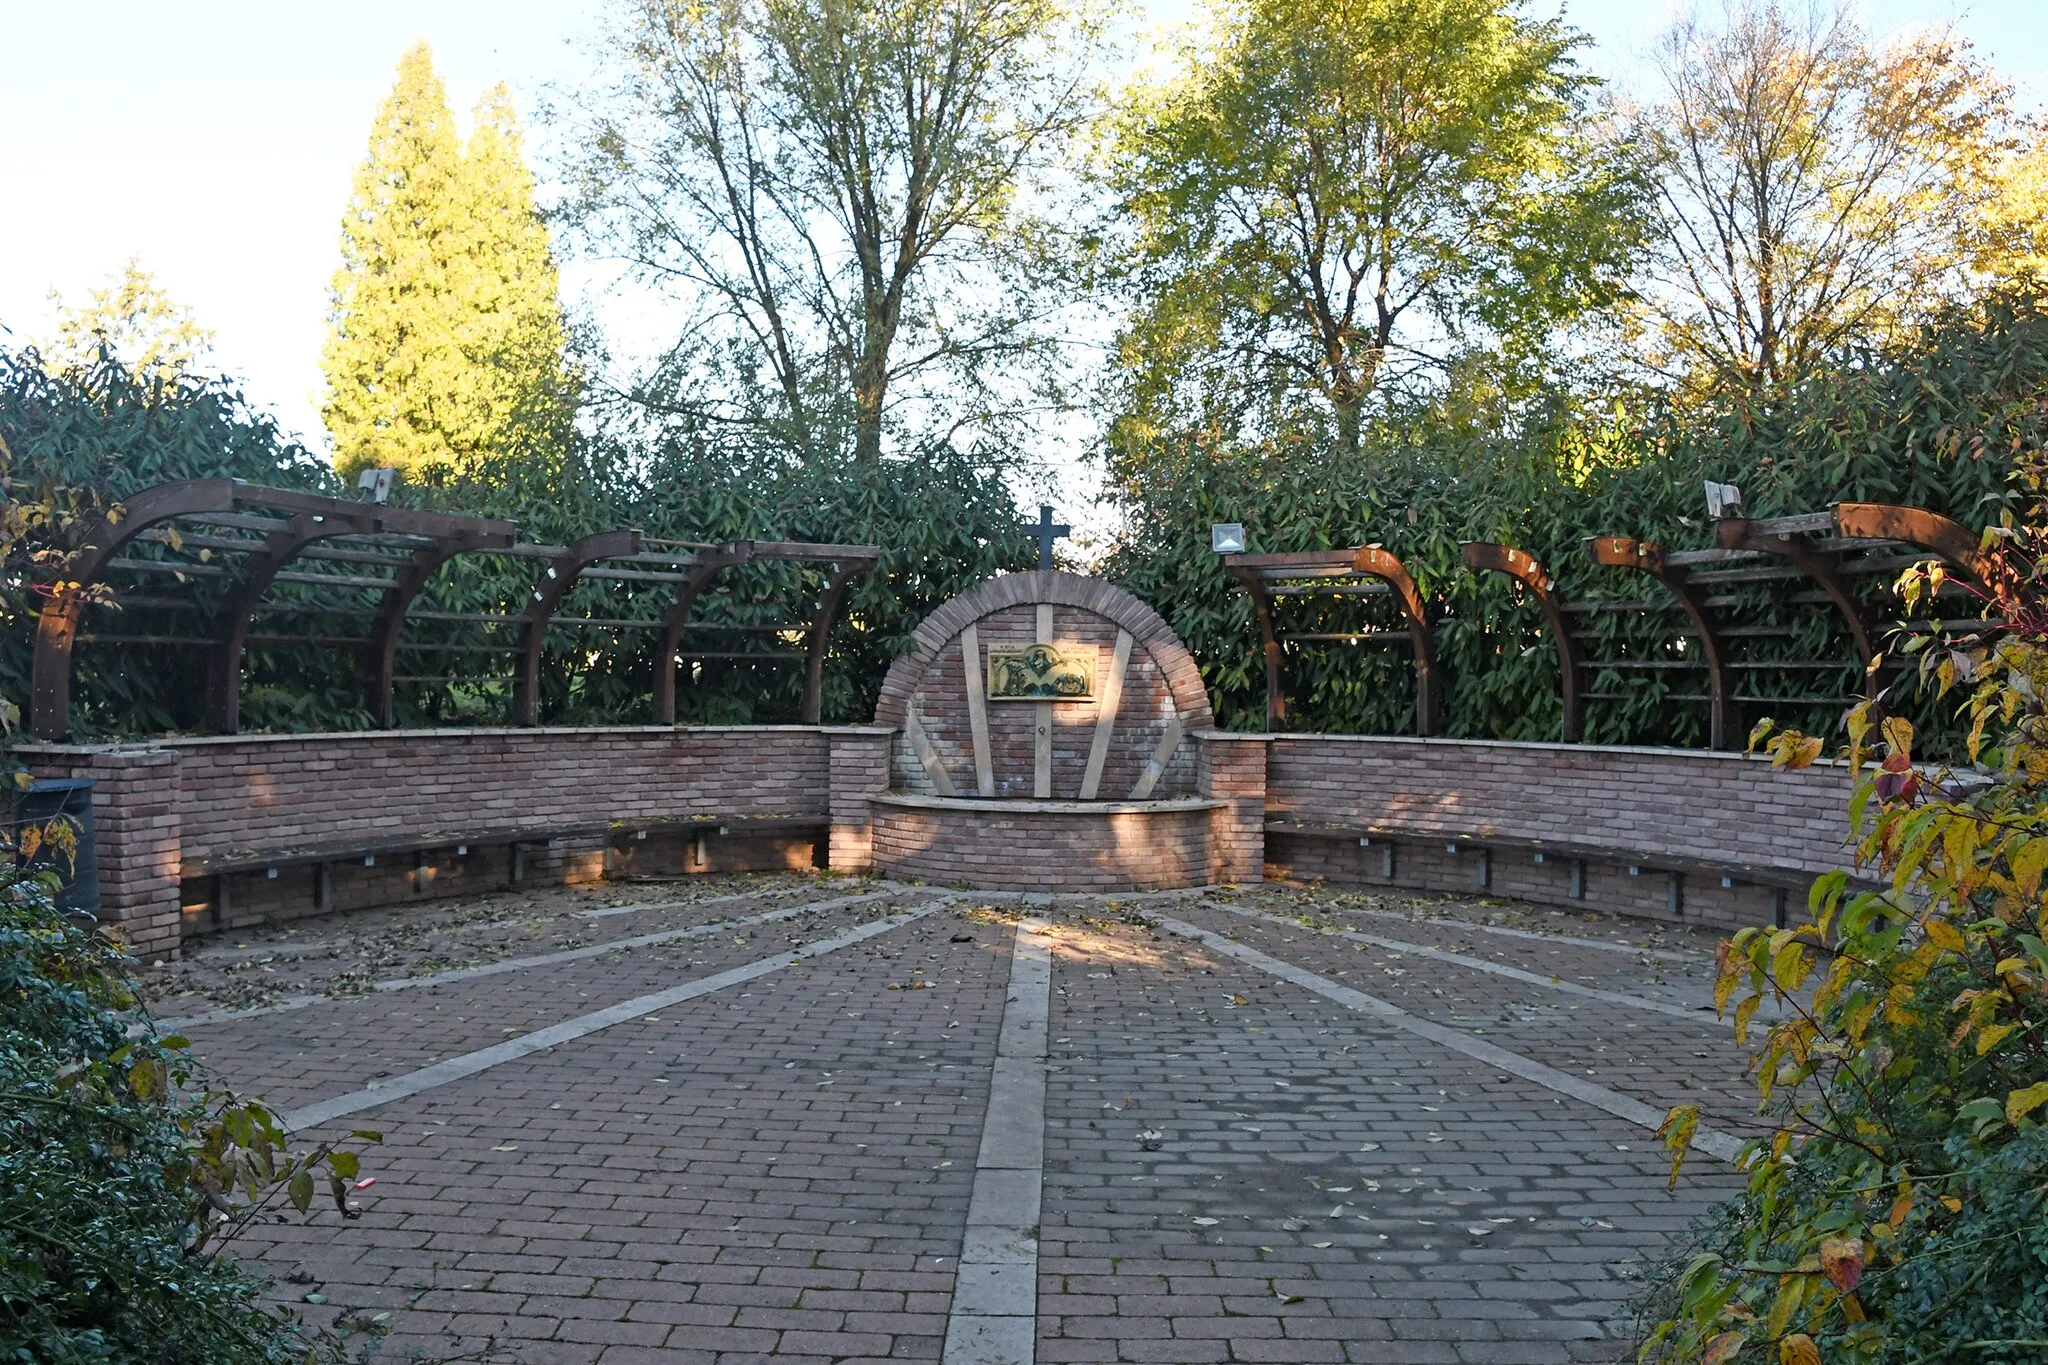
column 216, row 139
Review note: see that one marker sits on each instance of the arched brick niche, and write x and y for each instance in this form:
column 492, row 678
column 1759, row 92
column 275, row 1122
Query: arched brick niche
column 929, row 696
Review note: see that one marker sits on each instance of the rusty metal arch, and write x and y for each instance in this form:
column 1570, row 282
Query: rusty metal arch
column 1524, row 569
column 313, row 516
column 1735, row 533
column 847, row 563
column 380, row 655
column 1255, row 572
column 561, row 575
column 1645, row 556
column 1262, row 610
column 1952, row 542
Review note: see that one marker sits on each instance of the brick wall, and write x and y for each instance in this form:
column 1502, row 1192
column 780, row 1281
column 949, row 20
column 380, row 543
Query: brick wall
column 1233, row 769
column 1047, row 846
column 1161, row 683
column 1684, row 802
column 160, row 809
column 267, row 793
column 136, row 810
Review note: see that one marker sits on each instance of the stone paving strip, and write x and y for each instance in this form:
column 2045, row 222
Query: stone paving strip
column 350, row 1042
column 512, row 1049
column 1689, row 1013
column 1625, row 1107
column 519, row 964
column 994, row 1318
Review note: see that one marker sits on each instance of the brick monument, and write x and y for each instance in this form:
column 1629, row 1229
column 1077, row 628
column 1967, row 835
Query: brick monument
column 1048, row 729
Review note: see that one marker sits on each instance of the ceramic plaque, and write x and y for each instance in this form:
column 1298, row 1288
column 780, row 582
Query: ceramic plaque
column 1041, row 673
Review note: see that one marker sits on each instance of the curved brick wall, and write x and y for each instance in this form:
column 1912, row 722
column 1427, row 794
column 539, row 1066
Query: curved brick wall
column 1683, row 803
column 1067, row 846
column 1688, row 802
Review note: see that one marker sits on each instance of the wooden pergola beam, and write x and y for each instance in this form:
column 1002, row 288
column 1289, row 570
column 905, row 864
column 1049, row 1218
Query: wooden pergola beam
column 1646, row 556
column 1259, row 572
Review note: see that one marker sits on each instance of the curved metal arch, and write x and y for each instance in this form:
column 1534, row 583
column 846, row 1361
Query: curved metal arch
column 380, row 655
column 1954, row 543
column 1735, row 533
column 1621, row 552
column 1262, row 609
column 562, row 572
column 57, row 627
column 676, row 619
column 1523, row 567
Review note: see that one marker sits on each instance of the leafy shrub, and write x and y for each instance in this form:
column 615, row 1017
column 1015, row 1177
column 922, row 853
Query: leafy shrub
column 121, row 1178
column 1898, row 1209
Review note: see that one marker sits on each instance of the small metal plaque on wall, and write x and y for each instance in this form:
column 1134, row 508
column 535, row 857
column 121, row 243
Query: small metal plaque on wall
column 1041, row 673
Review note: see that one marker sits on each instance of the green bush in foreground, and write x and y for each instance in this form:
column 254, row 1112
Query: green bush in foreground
column 119, row 1180
column 1897, row 1211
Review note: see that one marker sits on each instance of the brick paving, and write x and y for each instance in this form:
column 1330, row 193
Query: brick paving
column 1235, row 1168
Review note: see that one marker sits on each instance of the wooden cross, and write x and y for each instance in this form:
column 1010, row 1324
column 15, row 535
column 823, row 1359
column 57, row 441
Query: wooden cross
column 1045, row 533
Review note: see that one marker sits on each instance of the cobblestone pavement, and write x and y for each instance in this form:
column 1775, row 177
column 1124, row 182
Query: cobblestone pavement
column 761, row 1136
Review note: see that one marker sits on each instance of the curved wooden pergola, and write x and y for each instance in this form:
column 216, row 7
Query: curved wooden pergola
column 1336, row 572
column 284, row 536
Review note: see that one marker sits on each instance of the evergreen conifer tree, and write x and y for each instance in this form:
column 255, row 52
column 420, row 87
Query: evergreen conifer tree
column 446, row 335
column 513, row 332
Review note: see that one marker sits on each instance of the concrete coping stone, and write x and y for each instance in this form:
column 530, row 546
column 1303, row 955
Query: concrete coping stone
column 171, row 743
column 1002, row 806
column 1545, row 746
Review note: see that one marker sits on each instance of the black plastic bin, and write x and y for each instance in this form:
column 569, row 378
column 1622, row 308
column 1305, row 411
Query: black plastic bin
column 71, row 797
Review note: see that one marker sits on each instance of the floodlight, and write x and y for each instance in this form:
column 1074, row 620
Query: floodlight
column 1723, row 500
column 1227, row 537
column 377, row 483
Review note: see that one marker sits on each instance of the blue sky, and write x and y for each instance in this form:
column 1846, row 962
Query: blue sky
column 216, row 139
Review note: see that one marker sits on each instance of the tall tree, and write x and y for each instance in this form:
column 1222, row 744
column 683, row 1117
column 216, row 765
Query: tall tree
column 1814, row 189
column 135, row 321
column 511, row 326
column 446, row 337
column 835, row 188
column 1331, row 194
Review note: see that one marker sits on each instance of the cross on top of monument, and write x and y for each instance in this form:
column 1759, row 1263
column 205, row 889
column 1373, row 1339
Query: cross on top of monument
column 1045, row 533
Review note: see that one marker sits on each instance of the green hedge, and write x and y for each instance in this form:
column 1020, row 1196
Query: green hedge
column 83, row 440
column 1935, row 426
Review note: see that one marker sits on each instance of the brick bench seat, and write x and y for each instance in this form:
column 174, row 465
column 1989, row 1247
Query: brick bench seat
column 350, row 850
column 1575, row 855
column 218, row 885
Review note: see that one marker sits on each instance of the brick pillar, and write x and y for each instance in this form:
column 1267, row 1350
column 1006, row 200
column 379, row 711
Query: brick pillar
column 1233, row 767
column 136, row 831
column 858, row 768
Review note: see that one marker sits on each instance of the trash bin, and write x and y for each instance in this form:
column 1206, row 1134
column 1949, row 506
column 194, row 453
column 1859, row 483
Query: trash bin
column 71, row 797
